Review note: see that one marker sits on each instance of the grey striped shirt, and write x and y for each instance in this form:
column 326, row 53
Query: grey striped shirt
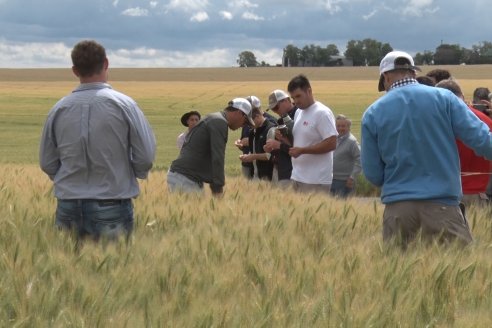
column 95, row 143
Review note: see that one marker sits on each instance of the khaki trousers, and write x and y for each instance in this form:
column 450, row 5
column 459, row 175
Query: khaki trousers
column 307, row 188
column 405, row 220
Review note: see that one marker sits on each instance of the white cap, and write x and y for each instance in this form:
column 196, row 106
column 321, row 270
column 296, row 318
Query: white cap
column 254, row 101
column 395, row 60
column 244, row 106
column 275, row 97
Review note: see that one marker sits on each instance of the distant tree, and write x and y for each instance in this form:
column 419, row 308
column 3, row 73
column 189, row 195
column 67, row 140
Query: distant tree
column 332, row 50
column 307, row 55
column 448, row 54
column 355, row 51
column 467, row 56
column 426, row 58
column 367, row 52
column 385, row 49
column 481, row 53
column 247, row 59
column 291, row 55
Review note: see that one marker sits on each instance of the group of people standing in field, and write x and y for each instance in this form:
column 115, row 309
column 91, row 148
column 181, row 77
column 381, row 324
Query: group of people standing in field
column 298, row 148
column 96, row 143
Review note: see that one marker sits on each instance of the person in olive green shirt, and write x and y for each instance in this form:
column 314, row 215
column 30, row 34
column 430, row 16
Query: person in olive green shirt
column 201, row 159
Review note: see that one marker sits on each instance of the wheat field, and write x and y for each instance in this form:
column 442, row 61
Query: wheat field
column 258, row 257
column 261, row 258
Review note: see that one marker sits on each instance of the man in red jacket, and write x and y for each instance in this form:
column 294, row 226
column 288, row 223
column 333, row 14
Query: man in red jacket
column 475, row 170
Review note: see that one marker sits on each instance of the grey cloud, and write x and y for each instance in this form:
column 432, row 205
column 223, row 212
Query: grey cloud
column 184, row 28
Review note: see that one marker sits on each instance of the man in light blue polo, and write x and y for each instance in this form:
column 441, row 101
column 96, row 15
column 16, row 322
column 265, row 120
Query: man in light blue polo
column 409, row 150
column 96, row 142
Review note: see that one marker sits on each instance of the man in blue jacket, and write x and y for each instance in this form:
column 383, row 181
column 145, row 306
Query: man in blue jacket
column 409, row 150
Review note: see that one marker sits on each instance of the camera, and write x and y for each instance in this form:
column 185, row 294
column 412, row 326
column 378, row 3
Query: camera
column 480, row 107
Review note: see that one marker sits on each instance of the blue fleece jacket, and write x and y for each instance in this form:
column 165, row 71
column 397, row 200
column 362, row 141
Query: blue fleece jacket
column 408, row 143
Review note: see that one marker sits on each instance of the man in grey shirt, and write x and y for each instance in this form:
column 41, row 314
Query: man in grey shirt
column 201, row 159
column 95, row 143
column 346, row 159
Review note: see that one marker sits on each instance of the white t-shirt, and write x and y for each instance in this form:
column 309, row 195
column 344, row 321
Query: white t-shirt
column 311, row 126
column 181, row 139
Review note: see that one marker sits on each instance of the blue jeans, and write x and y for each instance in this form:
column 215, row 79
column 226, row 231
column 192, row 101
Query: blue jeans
column 339, row 188
column 96, row 218
column 179, row 182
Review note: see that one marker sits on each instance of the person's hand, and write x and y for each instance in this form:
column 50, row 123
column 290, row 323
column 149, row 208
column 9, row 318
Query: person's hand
column 218, row 194
column 271, row 145
column 238, row 143
column 295, row 152
column 280, row 137
column 350, row 183
column 487, row 103
column 246, row 158
column 278, row 134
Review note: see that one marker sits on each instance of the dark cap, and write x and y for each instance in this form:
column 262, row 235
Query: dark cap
column 186, row 116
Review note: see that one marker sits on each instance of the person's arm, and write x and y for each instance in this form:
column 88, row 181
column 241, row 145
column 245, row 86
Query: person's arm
column 321, row 147
column 180, row 140
column 468, row 128
column 355, row 150
column 249, row 158
column 142, row 141
column 49, row 159
column 372, row 164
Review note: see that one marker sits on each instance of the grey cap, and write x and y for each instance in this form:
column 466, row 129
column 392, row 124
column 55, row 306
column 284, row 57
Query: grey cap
column 275, row 97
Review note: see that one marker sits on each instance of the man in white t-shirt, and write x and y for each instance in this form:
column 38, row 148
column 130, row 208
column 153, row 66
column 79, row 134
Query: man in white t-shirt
column 315, row 138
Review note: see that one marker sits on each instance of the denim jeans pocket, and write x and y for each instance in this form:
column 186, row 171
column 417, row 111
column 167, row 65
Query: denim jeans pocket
column 111, row 221
column 68, row 214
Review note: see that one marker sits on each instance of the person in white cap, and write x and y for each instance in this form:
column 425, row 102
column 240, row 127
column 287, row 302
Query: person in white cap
column 261, row 160
column 315, row 138
column 201, row 159
column 409, row 150
column 280, row 140
column 247, row 167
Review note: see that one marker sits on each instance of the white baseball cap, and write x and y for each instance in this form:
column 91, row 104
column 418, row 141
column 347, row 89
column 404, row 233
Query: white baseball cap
column 244, row 106
column 275, row 97
column 254, row 101
column 395, row 60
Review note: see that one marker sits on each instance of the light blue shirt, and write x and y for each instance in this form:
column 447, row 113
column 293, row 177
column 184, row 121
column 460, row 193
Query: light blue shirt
column 95, row 143
column 409, row 147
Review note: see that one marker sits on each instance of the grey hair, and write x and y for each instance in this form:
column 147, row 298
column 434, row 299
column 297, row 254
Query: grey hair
column 341, row 117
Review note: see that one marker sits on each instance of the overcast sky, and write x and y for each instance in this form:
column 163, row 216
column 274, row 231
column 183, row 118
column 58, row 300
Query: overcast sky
column 211, row 33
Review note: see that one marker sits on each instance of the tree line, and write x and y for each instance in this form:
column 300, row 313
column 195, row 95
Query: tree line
column 369, row 52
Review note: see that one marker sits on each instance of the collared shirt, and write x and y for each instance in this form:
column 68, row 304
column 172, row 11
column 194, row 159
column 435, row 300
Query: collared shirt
column 95, row 143
column 403, row 82
column 408, row 143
